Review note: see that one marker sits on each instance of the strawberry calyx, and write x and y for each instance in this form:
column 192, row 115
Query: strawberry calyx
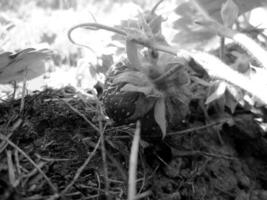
column 163, row 91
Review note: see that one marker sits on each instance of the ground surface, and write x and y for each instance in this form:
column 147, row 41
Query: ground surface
column 56, row 131
column 59, row 144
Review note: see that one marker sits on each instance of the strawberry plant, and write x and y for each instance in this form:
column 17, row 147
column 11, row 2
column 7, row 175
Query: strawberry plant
column 147, row 81
column 208, row 105
column 156, row 76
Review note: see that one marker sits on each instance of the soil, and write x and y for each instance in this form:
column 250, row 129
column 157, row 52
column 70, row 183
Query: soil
column 53, row 149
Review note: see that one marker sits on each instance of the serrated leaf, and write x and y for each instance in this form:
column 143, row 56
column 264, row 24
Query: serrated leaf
column 133, row 88
column 146, row 90
column 133, row 77
column 183, row 78
column 200, row 81
column 233, row 96
column 155, row 24
column 107, row 61
column 242, row 62
column 182, row 23
column 192, row 36
column 235, row 91
column 213, row 6
column 145, row 26
column 229, row 13
column 218, row 93
column 142, row 106
column 29, row 62
column 160, row 116
column 139, row 35
column 124, row 23
column 193, row 39
column 230, row 102
column 5, row 59
column 132, row 54
column 176, row 109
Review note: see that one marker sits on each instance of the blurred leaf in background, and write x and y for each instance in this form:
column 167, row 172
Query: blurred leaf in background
column 26, row 64
column 192, row 35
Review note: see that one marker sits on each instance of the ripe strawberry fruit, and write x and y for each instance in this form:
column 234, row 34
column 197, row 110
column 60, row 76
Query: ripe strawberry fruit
column 139, row 101
column 121, row 106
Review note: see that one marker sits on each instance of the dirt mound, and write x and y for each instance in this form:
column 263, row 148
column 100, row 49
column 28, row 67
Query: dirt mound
column 53, row 150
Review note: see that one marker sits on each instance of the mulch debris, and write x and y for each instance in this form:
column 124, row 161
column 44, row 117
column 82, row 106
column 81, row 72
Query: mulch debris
column 51, row 149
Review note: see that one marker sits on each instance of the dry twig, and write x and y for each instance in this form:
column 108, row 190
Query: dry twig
column 80, row 170
column 103, row 150
column 4, row 138
column 11, row 168
column 82, row 116
column 133, row 163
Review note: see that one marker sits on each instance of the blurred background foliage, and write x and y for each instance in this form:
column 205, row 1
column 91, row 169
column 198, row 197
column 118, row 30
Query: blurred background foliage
column 38, row 23
column 45, row 23
column 66, row 4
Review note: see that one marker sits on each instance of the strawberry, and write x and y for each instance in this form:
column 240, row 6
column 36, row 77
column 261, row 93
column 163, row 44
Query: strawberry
column 157, row 97
column 121, row 106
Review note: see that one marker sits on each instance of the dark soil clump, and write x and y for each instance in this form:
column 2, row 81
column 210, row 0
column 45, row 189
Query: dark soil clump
column 52, row 150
